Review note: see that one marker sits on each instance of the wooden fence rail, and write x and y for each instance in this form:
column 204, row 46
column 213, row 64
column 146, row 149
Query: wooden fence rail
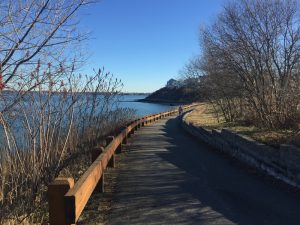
column 67, row 200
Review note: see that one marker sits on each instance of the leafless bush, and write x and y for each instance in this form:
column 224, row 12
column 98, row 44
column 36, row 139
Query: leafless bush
column 49, row 115
column 46, row 129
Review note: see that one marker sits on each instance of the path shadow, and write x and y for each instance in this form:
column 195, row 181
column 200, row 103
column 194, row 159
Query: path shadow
column 220, row 183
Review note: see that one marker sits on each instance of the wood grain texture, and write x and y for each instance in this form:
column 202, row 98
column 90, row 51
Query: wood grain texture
column 77, row 197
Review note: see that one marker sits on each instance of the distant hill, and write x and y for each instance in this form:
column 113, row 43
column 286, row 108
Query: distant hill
column 174, row 95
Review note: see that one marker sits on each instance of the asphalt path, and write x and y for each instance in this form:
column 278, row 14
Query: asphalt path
column 168, row 177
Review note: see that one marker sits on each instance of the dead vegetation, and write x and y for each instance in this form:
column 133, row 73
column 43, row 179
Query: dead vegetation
column 50, row 114
column 205, row 116
column 249, row 64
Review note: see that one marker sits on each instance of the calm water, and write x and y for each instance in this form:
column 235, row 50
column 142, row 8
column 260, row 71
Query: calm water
column 126, row 101
column 142, row 108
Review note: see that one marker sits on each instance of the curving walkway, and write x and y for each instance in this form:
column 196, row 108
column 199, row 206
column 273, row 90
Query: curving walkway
column 167, row 177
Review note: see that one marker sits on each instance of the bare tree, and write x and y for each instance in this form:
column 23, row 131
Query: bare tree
column 192, row 69
column 48, row 113
column 36, row 35
column 257, row 42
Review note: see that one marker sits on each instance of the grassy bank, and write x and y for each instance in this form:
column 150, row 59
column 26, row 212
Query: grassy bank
column 204, row 115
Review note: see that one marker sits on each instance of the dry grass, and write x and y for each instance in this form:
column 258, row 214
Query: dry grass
column 204, row 116
column 28, row 202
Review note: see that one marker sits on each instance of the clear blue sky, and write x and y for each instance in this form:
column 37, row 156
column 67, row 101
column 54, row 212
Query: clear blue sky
column 145, row 42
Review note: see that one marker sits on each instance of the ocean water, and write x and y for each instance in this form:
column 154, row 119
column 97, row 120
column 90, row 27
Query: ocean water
column 142, row 108
column 16, row 118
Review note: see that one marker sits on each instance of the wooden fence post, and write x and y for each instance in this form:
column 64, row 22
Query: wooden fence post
column 109, row 139
column 95, row 153
column 111, row 162
column 119, row 149
column 143, row 123
column 56, row 191
column 124, row 142
column 130, row 133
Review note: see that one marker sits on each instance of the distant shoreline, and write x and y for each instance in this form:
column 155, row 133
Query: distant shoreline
column 160, row 101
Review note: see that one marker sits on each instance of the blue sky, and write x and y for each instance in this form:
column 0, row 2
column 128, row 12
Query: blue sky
column 145, row 42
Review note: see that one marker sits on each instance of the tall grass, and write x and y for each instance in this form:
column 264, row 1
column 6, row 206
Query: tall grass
column 46, row 132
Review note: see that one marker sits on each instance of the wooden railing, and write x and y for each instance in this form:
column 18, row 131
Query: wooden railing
column 67, row 200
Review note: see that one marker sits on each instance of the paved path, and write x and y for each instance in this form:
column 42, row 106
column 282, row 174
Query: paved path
column 169, row 178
